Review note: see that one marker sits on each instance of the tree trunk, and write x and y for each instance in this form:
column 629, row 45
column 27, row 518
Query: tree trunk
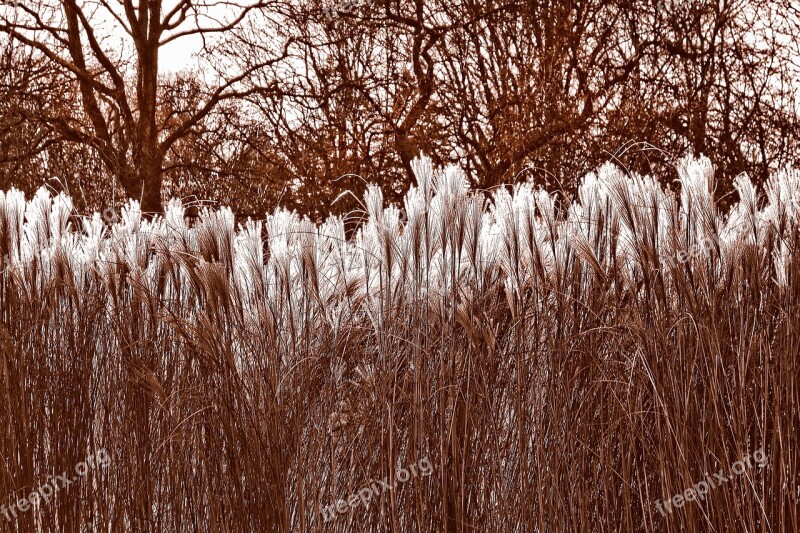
column 151, row 199
column 142, row 182
column 150, row 157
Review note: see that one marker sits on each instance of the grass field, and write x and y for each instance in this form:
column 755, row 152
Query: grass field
column 560, row 366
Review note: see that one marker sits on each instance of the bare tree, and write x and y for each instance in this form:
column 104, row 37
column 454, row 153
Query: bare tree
column 527, row 82
column 117, row 75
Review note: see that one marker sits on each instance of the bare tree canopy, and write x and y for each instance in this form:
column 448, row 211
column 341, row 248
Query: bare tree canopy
column 296, row 103
column 112, row 50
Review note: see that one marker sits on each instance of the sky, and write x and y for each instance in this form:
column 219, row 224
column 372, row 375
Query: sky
column 174, row 57
column 180, row 55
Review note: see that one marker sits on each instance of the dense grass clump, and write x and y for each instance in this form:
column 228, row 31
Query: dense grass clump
column 562, row 367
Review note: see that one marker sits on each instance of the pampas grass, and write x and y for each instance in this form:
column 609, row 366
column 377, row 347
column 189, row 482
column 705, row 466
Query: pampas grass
column 561, row 368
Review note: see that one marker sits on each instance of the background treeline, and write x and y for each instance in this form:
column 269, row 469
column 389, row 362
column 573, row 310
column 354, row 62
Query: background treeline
column 289, row 106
